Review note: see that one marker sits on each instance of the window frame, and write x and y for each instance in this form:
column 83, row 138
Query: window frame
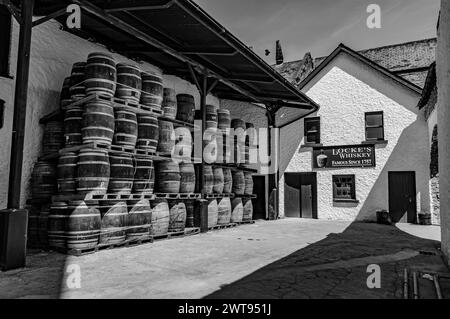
column 353, row 190
column 6, row 71
column 306, row 132
column 377, row 126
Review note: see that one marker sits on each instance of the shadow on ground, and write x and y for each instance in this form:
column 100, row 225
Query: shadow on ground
column 336, row 267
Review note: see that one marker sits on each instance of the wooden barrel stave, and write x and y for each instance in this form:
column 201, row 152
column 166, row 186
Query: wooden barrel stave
column 144, row 176
column 185, row 108
column 167, row 177
column 152, row 90
column 121, row 174
column 248, row 210
column 238, row 182
column 77, row 86
column 213, row 211
column 237, row 211
column 93, row 172
column 126, row 128
column 227, row 181
column 187, row 181
column 177, row 216
column 166, row 142
column 218, row 180
column 208, row 179
column 248, row 177
column 72, row 127
column 148, row 132
column 139, row 219
column 224, row 211
column 101, row 74
column 160, row 217
column 169, row 104
column 83, row 226
column 43, row 180
column 129, row 82
column 114, row 222
column 98, row 122
column 57, row 221
column 67, row 173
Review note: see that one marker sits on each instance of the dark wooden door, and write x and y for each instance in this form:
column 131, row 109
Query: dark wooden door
column 307, row 201
column 300, row 195
column 259, row 204
column 402, row 196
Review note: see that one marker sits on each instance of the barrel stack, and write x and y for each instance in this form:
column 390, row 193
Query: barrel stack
column 124, row 168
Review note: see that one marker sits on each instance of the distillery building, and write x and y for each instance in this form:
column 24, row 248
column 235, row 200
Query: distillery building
column 367, row 148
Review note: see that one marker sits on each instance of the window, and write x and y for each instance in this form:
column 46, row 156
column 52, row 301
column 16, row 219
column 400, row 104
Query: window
column 374, row 126
column 5, row 40
column 312, row 130
column 344, row 187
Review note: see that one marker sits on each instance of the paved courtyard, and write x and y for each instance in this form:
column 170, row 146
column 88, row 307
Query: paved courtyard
column 289, row 258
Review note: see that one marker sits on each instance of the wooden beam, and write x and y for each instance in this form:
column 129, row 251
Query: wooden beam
column 118, row 23
column 135, row 6
column 13, row 9
column 49, row 17
column 249, row 55
column 194, row 78
column 20, row 105
column 217, row 53
column 212, row 86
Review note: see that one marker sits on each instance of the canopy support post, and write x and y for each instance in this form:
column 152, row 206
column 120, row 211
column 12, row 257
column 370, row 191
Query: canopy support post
column 20, row 105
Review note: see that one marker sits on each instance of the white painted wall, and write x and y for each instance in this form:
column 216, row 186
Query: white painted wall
column 443, row 83
column 345, row 90
column 53, row 52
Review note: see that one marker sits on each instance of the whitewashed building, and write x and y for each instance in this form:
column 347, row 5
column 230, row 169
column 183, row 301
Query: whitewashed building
column 367, row 149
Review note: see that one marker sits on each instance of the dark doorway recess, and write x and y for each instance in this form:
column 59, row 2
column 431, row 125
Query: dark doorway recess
column 402, row 197
column 259, row 204
column 300, row 195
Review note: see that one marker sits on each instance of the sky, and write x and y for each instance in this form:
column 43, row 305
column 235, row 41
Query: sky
column 318, row 26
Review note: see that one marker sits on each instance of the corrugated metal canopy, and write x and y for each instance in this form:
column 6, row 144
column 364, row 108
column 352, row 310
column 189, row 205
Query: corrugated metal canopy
column 177, row 33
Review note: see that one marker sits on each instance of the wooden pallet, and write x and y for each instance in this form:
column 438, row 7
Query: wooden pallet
column 218, row 196
column 101, row 197
column 219, row 227
column 178, row 196
column 247, row 222
column 184, row 233
column 117, row 103
column 125, row 244
column 247, row 196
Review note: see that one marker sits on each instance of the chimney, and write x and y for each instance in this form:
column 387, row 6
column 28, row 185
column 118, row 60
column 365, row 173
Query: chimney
column 279, row 54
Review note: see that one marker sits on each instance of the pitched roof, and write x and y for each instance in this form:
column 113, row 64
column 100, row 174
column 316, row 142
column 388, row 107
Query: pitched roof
column 409, row 60
column 342, row 48
column 430, row 85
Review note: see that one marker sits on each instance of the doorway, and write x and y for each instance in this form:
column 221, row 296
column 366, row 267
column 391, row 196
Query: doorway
column 300, row 195
column 259, row 203
column 402, row 197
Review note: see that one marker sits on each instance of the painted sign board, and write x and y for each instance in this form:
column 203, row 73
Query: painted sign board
column 344, row 156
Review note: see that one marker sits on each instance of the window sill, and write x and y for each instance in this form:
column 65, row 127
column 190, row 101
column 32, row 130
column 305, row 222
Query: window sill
column 381, row 142
column 353, row 201
column 311, row 145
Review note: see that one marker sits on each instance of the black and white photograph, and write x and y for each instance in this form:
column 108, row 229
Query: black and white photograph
column 224, row 156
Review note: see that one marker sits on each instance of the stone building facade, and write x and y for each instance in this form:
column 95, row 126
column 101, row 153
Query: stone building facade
column 350, row 88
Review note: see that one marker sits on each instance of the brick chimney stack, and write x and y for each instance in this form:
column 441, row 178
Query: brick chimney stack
column 279, row 54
